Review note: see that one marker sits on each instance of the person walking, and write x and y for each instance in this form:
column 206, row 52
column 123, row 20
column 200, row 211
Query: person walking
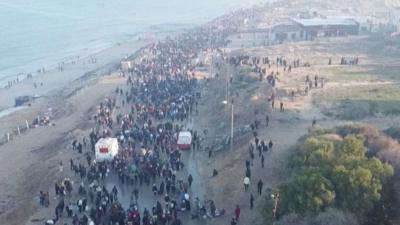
column 267, row 120
column 260, row 185
column 237, row 212
column 251, row 201
column 252, row 157
column 190, row 180
column 246, row 182
column 262, row 161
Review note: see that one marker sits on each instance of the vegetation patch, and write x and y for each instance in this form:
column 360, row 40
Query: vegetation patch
column 357, row 102
column 345, row 175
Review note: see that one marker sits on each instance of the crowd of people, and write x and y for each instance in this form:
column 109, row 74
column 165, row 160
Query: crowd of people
column 146, row 116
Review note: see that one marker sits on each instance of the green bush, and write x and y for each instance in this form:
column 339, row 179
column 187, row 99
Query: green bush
column 327, row 175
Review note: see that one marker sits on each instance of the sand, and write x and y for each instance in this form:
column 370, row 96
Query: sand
column 53, row 79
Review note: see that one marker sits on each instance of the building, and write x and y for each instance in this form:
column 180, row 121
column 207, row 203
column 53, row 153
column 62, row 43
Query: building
column 290, row 30
column 249, row 38
column 394, row 18
column 327, row 27
column 268, row 34
column 286, row 32
column 365, row 23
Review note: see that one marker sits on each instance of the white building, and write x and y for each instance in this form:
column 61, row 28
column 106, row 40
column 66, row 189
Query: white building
column 394, row 18
column 364, row 22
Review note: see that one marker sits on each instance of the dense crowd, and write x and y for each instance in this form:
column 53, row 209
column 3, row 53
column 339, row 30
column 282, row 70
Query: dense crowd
column 160, row 94
column 146, row 115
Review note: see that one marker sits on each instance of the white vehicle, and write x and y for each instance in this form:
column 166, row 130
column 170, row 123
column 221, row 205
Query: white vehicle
column 184, row 140
column 106, row 149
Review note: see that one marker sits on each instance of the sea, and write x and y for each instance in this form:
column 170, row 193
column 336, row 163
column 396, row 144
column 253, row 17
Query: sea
column 41, row 33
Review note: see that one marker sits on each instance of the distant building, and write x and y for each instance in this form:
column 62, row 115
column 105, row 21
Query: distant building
column 268, row 35
column 364, row 22
column 327, row 27
column 394, row 18
column 249, row 37
column 300, row 30
column 287, row 32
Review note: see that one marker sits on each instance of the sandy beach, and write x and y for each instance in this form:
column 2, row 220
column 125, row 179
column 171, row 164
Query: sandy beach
column 54, row 79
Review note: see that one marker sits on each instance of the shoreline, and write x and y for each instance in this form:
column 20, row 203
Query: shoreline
column 36, row 67
column 73, row 70
column 61, row 85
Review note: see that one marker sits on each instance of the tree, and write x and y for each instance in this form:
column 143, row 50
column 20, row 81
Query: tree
column 307, row 191
column 358, row 179
column 353, row 146
column 356, row 189
column 314, row 153
column 326, row 175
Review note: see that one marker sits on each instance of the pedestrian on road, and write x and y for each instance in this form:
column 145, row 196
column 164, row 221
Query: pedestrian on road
column 262, row 161
column 246, row 182
column 237, row 212
column 215, row 173
column 251, row 201
column 252, row 157
column 260, row 185
column 190, row 180
column 270, row 144
column 154, row 189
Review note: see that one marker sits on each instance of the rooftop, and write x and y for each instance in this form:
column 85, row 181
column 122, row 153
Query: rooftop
column 325, row 22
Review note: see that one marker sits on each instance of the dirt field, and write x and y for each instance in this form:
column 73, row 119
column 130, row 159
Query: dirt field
column 342, row 100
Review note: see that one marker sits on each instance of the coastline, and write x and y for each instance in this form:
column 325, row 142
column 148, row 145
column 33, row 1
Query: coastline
column 69, row 96
column 60, row 85
column 54, row 79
